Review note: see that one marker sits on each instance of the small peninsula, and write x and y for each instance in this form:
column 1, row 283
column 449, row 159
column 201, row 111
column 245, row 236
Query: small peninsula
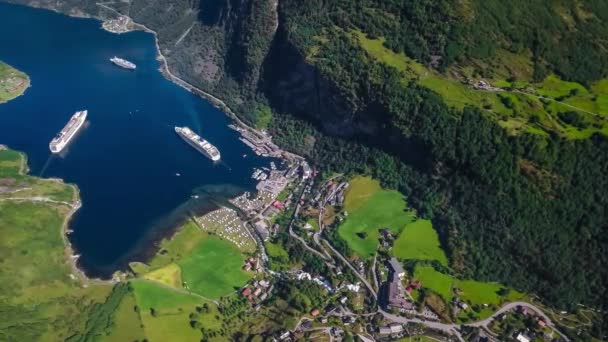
column 12, row 82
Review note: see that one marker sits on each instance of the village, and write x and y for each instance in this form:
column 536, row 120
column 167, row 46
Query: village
column 285, row 202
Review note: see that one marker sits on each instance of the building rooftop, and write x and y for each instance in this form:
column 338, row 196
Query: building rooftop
column 396, row 266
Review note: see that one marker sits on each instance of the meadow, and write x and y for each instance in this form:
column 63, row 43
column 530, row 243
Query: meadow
column 165, row 313
column 197, row 261
column 419, row 241
column 127, row 325
column 471, row 291
column 438, row 282
column 213, row 269
column 371, row 208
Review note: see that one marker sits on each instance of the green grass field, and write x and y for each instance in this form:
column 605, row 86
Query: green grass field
column 213, row 269
column 359, row 192
column 127, row 325
column 182, row 243
column 205, row 263
column 371, row 208
column 419, row 241
column 478, row 292
column 472, row 291
column 170, row 275
column 278, row 257
column 165, row 312
column 436, row 281
column 12, row 166
column 11, row 163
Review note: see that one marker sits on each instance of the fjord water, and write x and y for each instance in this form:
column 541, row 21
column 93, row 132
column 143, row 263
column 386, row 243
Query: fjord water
column 136, row 176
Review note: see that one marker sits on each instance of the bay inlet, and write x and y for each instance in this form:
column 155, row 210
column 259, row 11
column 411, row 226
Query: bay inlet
column 136, row 177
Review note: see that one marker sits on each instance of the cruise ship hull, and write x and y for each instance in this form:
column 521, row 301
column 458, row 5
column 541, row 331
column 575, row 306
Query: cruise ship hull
column 196, row 146
column 65, row 136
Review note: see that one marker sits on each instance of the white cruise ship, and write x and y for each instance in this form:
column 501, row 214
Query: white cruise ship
column 200, row 144
column 123, row 63
column 67, row 133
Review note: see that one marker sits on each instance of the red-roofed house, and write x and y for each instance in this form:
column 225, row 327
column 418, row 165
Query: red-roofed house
column 416, row 284
column 246, row 292
column 541, row 323
column 278, row 205
column 314, row 313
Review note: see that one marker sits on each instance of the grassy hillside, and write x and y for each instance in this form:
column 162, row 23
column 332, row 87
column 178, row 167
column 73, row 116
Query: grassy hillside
column 519, row 106
column 42, row 298
column 419, row 241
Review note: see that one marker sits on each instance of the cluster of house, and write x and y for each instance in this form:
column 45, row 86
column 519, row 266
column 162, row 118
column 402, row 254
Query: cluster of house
column 398, row 296
column 319, row 280
column 459, row 305
column 257, row 292
column 274, row 184
column 119, row 25
column 287, row 336
column 335, row 193
column 265, row 206
column 252, row 263
column 528, row 335
column 395, row 330
column 483, row 85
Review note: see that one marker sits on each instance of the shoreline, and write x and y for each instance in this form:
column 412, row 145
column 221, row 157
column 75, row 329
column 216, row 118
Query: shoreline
column 69, row 251
column 164, row 69
column 25, row 88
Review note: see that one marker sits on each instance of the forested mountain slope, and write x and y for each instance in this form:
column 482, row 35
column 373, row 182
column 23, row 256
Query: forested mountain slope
column 513, row 178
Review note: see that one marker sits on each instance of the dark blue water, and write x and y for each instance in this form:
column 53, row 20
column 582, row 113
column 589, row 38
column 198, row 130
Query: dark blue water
column 126, row 159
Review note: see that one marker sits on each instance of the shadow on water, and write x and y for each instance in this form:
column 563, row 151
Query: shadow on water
column 203, row 200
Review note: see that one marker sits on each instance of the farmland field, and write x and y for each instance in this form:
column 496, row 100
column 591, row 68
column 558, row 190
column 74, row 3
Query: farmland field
column 371, row 208
column 436, row 281
column 213, row 268
column 127, row 325
column 165, row 312
column 419, row 241
column 201, row 262
column 478, row 292
column 170, row 275
column 471, row 291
